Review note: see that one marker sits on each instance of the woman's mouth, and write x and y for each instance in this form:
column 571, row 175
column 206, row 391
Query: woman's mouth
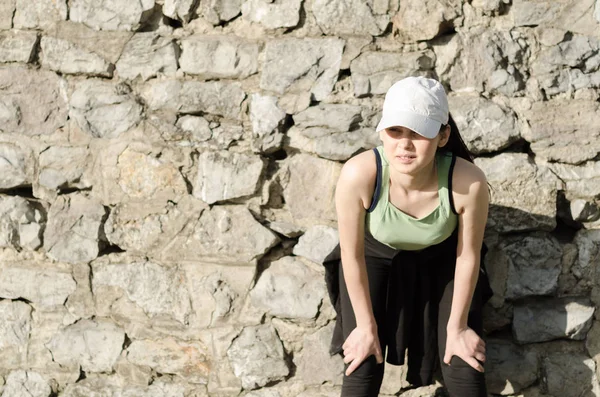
column 405, row 158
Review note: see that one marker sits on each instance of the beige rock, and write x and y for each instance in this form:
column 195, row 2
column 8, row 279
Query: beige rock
column 348, row 17
column 15, row 329
column 30, row 383
column 17, row 46
column 272, row 15
column 110, row 14
column 217, row 11
column 17, row 167
column 62, row 56
column 39, row 14
column 147, row 55
column 315, row 365
column 7, row 10
column 424, row 20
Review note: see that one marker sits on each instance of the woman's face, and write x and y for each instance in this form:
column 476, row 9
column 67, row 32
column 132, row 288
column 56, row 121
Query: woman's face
column 409, row 152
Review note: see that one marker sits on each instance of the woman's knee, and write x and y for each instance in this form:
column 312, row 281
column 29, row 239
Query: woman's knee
column 365, row 380
column 462, row 380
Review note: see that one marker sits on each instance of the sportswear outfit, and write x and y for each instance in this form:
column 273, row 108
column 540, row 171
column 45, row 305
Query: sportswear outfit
column 410, row 266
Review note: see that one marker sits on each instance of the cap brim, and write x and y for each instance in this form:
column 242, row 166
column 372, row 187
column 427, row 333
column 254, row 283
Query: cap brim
column 422, row 125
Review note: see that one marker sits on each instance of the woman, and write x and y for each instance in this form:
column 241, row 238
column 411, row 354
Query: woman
column 411, row 218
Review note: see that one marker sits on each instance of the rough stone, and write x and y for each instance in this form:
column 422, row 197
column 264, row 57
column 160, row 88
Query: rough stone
column 570, row 375
column 219, row 98
column 581, row 181
column 17, row 46
column 374, row 72
column 72, row 232
column 532, row 13
column 315, row 364
column 170, row 356
column 218, row 11
column 316, row 243
column 45, row 285
column 16, row 166
column 484, row 125
column 267, row 119
column 7, row 10
column 63, row 167
column 181, row 10
column 534, row 264
column 289, row 289
column 15, row 328
column 26, row 383
column 348, row 17
column 523, row 195
column 19, row 88
column 295, row 65
column 225, row 175
column 218, row 57
column 331, row 144
column 272, row 15
column 19, row 224
column 147, row 55
column 39, row 14
column 316, row 204
column 95, row 345
column 104, row 110
column 110, row 14
column 588, row 251
column 548, row 319
column 64, row 57
column 561, row 130
column 256, row 356
column 509, row 369
column 94, row 385
column 583, row 211
column 197, row 126
column 424, row 20
column 338, row 117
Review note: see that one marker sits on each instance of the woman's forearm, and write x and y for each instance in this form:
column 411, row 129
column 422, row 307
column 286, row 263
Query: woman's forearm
column 355, row 276
column 465, row 279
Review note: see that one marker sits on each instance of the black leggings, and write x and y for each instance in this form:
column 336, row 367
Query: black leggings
column 460, row 379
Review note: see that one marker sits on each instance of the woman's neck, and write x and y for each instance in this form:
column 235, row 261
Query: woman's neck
column 419, row 182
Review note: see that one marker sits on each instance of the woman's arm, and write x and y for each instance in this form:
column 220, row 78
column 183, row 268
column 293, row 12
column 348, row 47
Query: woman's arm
column 471, row 202
column 352, row 191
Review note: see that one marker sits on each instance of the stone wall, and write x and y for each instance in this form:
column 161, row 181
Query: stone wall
column 167, row 171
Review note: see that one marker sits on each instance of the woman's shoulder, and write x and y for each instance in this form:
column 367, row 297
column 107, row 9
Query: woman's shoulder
column 359, row 173
column 469, row 184
column 466, row 172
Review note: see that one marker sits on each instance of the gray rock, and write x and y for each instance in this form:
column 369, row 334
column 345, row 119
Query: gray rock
column 309, row 190
column 64, row 167
column 267, row 118
column 597, row 11
column 15, row 329
column 72, row 232
column 332, row 144
column 570, row 375
column 197, row 126
column 534, row 264
column 110, row 14
column 158, row 290
column 65, row 57
column 17, row 46
column 19, row 88
column 424, row 20
column 509, row 369
column 583, row 211
column 547, row 319
column 218, row 57
column 16, row 166
column 7, row 10
column 20, row 226
column 46, row 285
column 315, row 365
column 170, row 356
column 374, row 72
column 532, row 13
column 181, row 10
column 26, row 383
column 484, row 125
column 225, row 175
column 256, row 356
column 147, row 55
column 220, row 98
column 581, row 181
column 95, row 345
column 349, row 17
column 106, row 386
column 339, row 117
column 588, row 250
column 579, row 51
column 287, row 229
column 39, row 14
column 289, row 289
column 294, row 65
column 103, row 109
column 218, row 11
column 556, row 124
column 316, row 243
column 523, row 195
column 272, row 15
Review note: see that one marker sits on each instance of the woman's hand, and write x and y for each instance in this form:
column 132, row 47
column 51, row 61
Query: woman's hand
column 466, row 344
column 360, row 344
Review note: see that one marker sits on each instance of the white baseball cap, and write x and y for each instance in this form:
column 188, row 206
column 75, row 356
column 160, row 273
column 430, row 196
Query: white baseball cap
column 418, row 103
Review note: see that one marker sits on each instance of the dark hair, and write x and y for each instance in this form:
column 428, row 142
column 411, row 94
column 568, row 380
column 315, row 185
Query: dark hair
column 455, row 143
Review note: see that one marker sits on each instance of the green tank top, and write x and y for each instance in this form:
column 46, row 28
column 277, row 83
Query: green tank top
column 398, row 230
